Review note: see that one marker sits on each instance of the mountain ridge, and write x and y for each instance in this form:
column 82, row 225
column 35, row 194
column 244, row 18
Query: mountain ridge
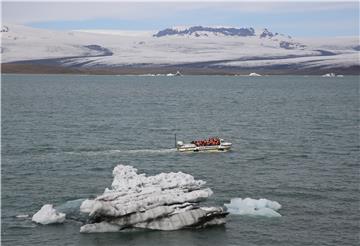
column 198, row 31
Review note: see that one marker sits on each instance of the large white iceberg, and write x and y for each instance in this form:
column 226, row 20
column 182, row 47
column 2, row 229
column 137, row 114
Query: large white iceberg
column 249, row 206
column 167, row 201
column 48, row 215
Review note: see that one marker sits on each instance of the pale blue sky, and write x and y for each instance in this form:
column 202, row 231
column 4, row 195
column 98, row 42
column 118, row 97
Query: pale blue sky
column 292, row 18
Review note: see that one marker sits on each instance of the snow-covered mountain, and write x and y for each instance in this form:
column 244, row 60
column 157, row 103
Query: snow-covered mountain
column 197, row 47
column 285, row 41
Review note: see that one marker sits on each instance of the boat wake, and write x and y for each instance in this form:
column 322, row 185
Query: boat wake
column 143, row 151
column 116, row 151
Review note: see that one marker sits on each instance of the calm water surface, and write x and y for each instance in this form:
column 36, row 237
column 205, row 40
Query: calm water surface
column 296, row 141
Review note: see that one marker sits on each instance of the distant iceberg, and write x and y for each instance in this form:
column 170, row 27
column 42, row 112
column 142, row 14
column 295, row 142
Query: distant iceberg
column 174, row 74
column 329, row 75
column 254, row 74
column 249, row 206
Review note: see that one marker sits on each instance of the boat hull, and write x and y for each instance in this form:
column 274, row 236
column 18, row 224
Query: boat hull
column 216, row 148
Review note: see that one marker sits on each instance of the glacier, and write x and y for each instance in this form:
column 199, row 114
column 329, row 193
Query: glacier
column 195, row 47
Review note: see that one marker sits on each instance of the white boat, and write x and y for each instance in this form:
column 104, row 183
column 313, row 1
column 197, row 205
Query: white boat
column 222, row 146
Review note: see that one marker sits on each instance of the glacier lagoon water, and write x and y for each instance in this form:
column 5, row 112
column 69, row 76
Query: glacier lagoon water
column 295, row 140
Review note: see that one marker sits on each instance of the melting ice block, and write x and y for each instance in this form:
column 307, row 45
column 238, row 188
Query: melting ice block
column 167, row 201
column 248, row 206
column 48, row 215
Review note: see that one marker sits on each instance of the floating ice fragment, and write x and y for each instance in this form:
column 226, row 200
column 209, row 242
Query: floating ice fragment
column 248, row 206
column 22, row 216
column 48, row 215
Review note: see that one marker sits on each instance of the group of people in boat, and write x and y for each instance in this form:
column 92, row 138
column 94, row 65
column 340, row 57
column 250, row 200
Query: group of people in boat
column 207, row 142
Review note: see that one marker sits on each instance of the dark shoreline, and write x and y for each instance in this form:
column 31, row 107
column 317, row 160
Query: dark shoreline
column 28, row 68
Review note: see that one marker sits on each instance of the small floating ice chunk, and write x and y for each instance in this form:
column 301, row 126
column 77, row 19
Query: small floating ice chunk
column 248, row 206
column 48, row 215
column 254, row 74
column 22, row 216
